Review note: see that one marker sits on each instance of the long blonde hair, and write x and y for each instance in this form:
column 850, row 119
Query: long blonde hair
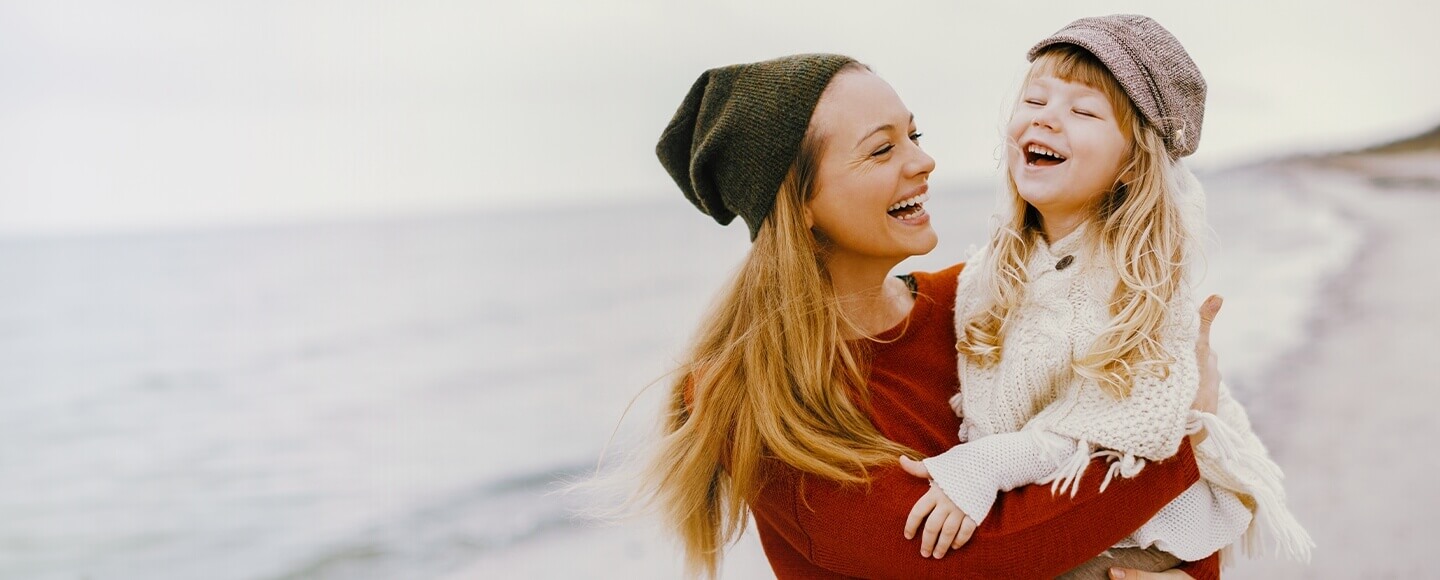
column 1139, row 227
column 770, row 378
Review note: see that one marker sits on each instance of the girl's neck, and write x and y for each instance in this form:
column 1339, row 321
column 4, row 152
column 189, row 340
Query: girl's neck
column 868, row 295
column 1059, row 227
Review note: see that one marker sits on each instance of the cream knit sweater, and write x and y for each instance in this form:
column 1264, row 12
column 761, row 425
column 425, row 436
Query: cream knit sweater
column 1031, row 419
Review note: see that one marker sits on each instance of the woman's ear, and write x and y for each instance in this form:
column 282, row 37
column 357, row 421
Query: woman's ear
column 809, row 217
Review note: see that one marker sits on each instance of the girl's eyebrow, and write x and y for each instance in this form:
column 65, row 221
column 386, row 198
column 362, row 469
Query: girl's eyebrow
column 885, row 127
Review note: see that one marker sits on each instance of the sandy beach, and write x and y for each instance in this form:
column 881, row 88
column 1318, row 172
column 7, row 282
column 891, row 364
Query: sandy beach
column 1359, row 420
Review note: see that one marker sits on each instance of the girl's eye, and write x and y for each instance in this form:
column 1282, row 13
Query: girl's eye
column 1036, row 102
column 882, row 150
column 1085, row 113
column 916, row 136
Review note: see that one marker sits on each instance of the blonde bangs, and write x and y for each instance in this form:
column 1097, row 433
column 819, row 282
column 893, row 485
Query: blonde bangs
column 1073, row 64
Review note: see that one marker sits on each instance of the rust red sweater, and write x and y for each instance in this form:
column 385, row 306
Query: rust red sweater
column 815, row 528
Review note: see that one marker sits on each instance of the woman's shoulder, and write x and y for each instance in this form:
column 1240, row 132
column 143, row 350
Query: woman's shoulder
column 949, row 274
column 940, row 284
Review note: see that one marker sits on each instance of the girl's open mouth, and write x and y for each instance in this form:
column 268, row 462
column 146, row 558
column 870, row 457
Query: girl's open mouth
column 1042, row 156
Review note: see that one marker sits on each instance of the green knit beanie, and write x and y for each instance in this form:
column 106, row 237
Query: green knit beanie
column 737, row 132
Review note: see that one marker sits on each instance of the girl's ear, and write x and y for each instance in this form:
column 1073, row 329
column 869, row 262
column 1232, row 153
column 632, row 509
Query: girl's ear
column 809, row 218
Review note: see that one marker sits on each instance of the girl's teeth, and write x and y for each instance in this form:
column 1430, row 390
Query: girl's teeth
column 1038, row 150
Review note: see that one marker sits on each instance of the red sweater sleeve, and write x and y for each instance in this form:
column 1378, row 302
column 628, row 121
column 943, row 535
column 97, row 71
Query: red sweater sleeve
column 814, row 528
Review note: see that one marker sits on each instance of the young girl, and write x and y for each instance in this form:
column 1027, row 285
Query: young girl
column 1076, row 322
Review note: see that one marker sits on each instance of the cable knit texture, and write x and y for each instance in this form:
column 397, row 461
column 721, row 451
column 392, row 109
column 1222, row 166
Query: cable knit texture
column 1031, row 419
column 815, row 528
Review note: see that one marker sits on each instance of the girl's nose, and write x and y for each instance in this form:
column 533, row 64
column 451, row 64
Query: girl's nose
column 1044, row 118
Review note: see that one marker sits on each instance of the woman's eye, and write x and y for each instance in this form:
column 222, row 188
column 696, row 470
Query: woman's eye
column 882, row 150
column 1036, row 102
column 916, row 136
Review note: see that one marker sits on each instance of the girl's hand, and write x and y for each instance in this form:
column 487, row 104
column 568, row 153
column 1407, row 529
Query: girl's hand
column 1129, row 574
column 1208, row 397
column 946, row 527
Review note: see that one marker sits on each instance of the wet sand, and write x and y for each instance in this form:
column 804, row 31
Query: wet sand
column 1358, row 432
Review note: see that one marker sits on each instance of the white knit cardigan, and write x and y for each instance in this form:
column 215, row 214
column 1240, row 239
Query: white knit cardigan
column 1031, row 419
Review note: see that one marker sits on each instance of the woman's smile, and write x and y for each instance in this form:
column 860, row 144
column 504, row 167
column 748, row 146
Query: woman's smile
column 911, row 210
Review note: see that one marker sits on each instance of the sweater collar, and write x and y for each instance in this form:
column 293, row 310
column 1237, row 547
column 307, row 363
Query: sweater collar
column 1049, row 254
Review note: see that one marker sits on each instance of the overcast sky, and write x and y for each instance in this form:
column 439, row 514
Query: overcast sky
column 151, row 113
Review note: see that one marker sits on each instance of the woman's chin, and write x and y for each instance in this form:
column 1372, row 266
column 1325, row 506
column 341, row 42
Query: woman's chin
column 922, row 242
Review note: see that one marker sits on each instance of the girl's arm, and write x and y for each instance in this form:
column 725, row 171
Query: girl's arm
column 972, row 473
column 856, row 530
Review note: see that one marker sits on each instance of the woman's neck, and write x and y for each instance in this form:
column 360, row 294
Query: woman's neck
column 868, row 296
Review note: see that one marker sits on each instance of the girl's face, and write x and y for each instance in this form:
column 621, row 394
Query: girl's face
column 1066, row 150
column 871, row 176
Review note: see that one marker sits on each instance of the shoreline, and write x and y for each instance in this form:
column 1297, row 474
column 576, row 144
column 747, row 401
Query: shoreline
column 1357, row 390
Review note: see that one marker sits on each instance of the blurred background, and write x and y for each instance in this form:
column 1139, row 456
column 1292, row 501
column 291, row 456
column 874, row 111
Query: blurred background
column 316, row 289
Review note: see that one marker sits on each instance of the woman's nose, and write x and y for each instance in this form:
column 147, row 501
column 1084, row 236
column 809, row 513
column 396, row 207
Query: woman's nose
column 923, row 163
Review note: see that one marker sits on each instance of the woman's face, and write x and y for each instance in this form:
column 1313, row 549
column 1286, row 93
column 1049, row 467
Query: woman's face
column 1066, row 147
column 871, row 177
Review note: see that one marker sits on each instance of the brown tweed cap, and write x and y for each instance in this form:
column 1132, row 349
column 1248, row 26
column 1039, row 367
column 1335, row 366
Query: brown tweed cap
column 1151, row 66
column 737, row 132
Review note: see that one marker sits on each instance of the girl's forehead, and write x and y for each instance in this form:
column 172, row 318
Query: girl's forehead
column 1048, row 81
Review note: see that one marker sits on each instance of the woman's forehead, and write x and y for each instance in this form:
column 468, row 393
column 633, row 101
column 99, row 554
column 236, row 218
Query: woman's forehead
column 857, row 103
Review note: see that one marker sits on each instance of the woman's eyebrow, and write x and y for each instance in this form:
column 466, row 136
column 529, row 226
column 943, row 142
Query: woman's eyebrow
column 885, row 127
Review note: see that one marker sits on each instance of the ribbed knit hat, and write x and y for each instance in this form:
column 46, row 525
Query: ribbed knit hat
column 736, row 134
column 1152, row 67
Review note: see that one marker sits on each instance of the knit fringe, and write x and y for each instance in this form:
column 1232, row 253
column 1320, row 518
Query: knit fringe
column 1127, row 465
column 1273, row 530
column 1067, row 476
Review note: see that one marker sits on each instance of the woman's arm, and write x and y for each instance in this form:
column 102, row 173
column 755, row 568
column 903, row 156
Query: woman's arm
column 855, row 531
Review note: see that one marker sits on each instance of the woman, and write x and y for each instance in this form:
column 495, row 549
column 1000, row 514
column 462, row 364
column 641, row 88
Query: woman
column 816, row 369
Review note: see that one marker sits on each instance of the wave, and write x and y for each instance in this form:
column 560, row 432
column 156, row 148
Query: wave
column 452, row 530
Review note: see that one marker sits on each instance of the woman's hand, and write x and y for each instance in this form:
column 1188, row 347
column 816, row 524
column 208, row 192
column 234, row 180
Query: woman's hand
column 1130, row 574
column 1208, row 397
column 946, row 526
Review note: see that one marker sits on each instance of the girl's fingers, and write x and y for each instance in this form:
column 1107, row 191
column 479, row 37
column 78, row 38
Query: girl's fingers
column 947, row 533
column 933, row 526
column 917, row 514
column 914, row 468
column 967, row 529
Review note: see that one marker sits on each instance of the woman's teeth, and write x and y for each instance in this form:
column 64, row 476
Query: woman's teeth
column 909, row 208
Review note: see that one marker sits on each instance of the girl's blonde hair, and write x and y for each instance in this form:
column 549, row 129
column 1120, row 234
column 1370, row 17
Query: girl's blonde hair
column 1139, row 227
column 769, row 379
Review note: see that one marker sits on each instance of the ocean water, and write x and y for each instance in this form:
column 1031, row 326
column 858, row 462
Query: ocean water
column 394, row 399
